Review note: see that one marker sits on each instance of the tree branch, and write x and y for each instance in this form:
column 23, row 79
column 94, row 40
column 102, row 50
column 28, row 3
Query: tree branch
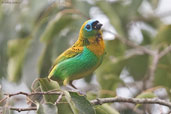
column 23, row 109
column 34, row 93
column 131, row 44
column 100, row 101
column 59, row 98
column 152, row 69
column 165, row 51
column 155, row 59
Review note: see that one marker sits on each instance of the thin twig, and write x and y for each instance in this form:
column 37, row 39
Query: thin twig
column 165, row 51
column 29, row 100
column 3, row 99
column 74, row 11
column 155, row 59
column 59, row 98
column 19, row 93
column 152, row 69
column 23, row 109
column 33, row 84
column 100, row 101
column 34, row 93
column 131, row 44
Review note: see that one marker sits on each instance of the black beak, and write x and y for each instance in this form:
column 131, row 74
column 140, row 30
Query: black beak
column 96, row 25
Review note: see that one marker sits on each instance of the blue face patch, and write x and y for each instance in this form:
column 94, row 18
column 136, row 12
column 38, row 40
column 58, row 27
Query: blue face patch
column 88, row 27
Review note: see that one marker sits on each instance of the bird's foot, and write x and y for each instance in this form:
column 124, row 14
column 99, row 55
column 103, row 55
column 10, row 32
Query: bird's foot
column 82, row 93
column 76, row 90
column 71, row 89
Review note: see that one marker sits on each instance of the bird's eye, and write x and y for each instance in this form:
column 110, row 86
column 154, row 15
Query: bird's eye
column 88, row 26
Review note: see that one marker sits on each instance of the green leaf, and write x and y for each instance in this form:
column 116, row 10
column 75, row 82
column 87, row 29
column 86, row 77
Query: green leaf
column 3, row 58
column 55, row 26
column 137, row 66
column 78, row 103
column 133, row 7
column 71, row 103
column 64, row 108
column 83, row 7
column 146, row 37
column 49, row 9
column 105, row 109
column 115, row 48
column 154, row 22
column 82, row 104
column 16, row 51
column 163, row 37
column 154, row 3
column 36, row 9
column 163, row 72
column 146, row 94
column 47, row 108
column 45, row 61
column 49, row 85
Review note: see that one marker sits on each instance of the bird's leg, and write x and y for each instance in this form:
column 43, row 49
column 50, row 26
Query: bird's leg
column 70, row 83
column 76, row 89
column 65, row 81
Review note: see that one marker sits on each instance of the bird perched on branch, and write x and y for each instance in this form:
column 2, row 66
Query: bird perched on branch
column 82, row 58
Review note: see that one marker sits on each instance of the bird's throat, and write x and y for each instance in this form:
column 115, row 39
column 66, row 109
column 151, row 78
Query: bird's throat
column 94, row 44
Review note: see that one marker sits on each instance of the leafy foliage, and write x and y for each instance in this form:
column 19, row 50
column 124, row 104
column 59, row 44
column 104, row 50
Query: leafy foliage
column 82, row 104
column 47, row 109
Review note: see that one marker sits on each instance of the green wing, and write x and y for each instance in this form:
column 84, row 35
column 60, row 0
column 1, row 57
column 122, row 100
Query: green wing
column 69, row 53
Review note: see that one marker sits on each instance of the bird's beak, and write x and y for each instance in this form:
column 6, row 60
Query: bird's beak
column 97, row 25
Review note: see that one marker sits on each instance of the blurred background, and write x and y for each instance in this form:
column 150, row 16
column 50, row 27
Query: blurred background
column 34, row 32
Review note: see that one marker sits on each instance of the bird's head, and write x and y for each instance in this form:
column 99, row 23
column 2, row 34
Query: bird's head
column 90, row 28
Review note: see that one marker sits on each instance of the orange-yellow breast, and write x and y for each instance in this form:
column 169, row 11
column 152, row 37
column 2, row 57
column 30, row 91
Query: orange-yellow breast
column 97, row 47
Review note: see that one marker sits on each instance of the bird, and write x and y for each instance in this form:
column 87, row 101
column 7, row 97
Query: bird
column 82, row 58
